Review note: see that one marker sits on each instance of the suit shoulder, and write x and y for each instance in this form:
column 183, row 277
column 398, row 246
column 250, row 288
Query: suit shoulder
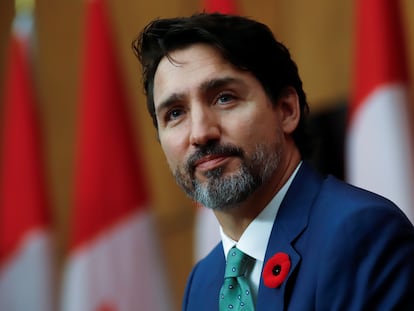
column 346, row 198
column 356, row 217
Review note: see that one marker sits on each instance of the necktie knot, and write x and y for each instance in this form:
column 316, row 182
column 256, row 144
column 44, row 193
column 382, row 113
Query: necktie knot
column 237, row 263
column 235, row 294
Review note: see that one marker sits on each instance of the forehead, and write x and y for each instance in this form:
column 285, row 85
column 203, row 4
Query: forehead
column 187, row 68
column 190, row 57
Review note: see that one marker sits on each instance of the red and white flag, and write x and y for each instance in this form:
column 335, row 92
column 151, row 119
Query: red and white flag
column 26, row 266
column 113, row 262
column 207, row 233
column 379, row 145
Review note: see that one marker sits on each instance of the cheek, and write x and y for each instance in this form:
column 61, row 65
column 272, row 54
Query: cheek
column 244, row 134
column 170, row 153
column 173, row 148
column 253, row 128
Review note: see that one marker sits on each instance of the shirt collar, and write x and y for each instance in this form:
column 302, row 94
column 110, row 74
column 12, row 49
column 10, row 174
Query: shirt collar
column 254, row 239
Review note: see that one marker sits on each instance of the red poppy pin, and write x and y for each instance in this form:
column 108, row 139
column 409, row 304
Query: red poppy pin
column 276, row 270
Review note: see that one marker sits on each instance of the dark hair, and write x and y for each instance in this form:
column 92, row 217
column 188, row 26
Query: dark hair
column 247, row 44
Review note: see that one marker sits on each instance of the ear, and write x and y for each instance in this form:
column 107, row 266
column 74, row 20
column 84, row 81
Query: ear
column 288, row 104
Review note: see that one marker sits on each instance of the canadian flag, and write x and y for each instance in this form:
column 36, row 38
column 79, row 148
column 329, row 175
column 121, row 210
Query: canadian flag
column 207, row 233
column 113, row 262
column 379, row 146
column 26, row 265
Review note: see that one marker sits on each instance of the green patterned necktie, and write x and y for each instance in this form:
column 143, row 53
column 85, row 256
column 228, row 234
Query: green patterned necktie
column 235, row 293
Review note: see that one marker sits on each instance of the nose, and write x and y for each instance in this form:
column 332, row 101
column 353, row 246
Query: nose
column 205, row 126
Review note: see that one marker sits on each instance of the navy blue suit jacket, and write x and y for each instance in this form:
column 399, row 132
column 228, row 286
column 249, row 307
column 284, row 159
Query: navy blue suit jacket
column 349, row 249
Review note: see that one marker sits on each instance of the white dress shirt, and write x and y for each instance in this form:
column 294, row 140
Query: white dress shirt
column 255, row 238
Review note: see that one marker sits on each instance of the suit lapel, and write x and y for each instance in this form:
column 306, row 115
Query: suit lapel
column 290, row 222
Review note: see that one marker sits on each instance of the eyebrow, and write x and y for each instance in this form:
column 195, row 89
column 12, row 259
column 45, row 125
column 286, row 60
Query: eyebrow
column 205, row 87
column 165, row 104
column 219, row 82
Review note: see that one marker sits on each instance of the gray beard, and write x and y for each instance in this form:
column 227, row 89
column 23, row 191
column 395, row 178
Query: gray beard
column 225, row 192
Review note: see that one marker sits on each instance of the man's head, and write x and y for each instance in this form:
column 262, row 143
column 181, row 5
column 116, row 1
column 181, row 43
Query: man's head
column 227, row 102
column 247, row 44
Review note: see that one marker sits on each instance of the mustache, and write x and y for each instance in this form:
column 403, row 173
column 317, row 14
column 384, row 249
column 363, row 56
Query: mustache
column 213, row 149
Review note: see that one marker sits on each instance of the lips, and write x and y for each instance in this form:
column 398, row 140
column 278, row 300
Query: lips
column 210, row 162
column 212, row 156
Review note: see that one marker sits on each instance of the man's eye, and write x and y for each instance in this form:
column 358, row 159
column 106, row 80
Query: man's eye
column 225, row 98
column 173, row 114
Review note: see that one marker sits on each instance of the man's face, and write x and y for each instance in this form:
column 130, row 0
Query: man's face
column 219, row 131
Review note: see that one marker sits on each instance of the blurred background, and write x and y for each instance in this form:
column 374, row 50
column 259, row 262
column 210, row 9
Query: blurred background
column 319, row 35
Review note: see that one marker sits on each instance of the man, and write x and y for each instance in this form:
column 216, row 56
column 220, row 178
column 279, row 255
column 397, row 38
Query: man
column 230, row 111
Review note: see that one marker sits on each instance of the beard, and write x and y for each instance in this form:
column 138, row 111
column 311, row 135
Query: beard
column 220, row 191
